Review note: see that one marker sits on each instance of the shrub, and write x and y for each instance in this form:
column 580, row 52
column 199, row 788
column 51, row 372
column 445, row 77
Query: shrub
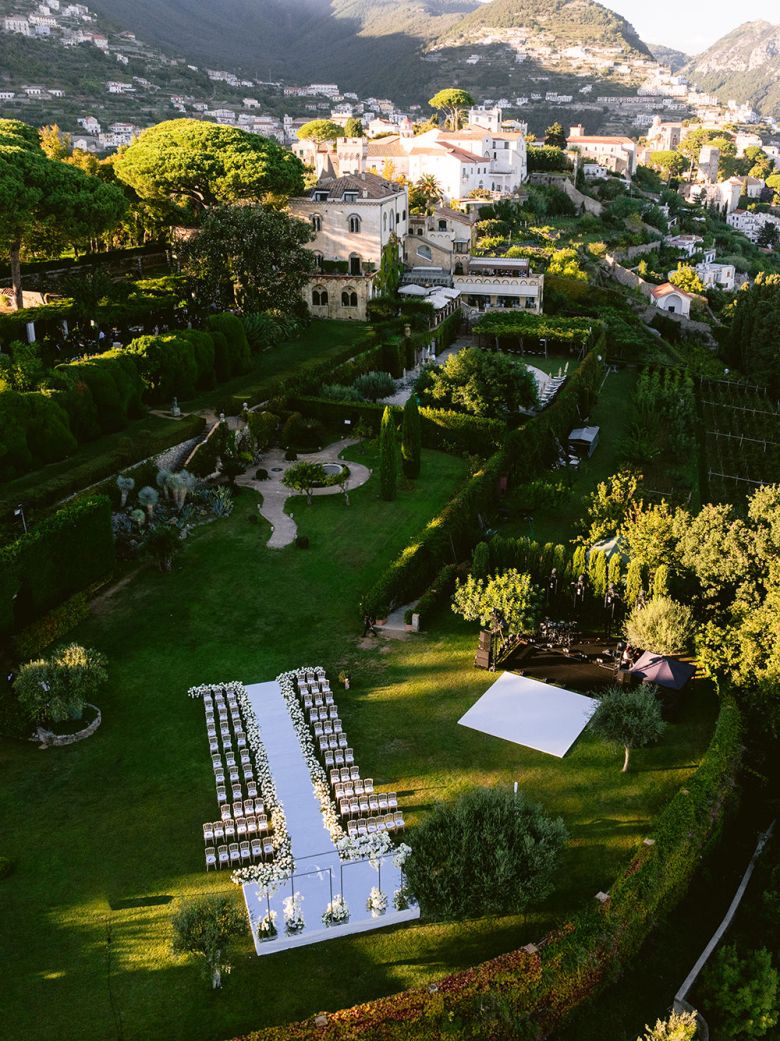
column 263, row 427
column 374, row 385
column 490, row 852
column 168, row 365
column 290, row 455
column 53, row 626
column 741, row 994
column 206, row 926
column 490, row 385
column 303, row 434
column 58, row 689
column 231, row 327
column 261, row 474
column 663, row 626
column 411, row 439
column 302, row 541
column 205, row 355
column 510, row 595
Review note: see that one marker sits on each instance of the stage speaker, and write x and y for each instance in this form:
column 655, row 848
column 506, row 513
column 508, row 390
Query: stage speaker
column 482, row 660
column 484, row 640
column 623, row 678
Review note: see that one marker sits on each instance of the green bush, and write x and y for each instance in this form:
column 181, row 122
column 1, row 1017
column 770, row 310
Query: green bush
column 302, row 434
column 439, row 593
column 203, row 344
column 34, row 430
column 115, row 383
column 490, row 852
column 168, row 366
column 741, row 994
column 65, row 553
column 232, row 329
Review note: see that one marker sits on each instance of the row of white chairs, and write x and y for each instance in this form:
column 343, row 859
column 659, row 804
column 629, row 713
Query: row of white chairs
column 372, row 825
column 239, row 853
column 352, row 786
column 255, row 826
column 362, row 805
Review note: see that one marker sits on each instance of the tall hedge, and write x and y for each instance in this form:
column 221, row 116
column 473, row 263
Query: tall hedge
column 115, row 384
column 168, row 365
column 411, row 438
column 388, row 457
column 65, row 553
column 232, row 328
column 34, row 430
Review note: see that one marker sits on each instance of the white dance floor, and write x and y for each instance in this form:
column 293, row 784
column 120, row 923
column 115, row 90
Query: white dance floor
column 318, row 869
column 527, row 712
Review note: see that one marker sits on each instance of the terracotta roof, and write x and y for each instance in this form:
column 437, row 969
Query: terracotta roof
column 459, row 215
column 667, row 289
column 601, row 140
column 386, row 146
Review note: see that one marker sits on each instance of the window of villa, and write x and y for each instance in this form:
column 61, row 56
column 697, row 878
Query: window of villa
column 354, row 224
column 319, row 297
column 316, row 222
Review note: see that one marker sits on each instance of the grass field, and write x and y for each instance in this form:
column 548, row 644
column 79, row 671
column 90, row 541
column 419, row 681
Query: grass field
column 106, row 835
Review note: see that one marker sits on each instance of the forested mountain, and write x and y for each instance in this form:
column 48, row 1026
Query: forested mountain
column 388, row 47
column 744, row 65
column 676, row 60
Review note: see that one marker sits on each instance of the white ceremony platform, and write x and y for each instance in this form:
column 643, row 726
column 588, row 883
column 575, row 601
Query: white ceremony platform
column 527, row 712
column 317, row 863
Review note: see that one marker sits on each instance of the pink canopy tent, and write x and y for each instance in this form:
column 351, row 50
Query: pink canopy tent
column 665, row 671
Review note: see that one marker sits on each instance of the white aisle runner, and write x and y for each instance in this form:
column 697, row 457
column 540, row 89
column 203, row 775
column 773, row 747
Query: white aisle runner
column 318, row 870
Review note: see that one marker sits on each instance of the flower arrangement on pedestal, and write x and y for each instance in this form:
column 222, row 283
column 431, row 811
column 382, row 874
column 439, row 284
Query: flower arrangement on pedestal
column 293, row 914
column 266, row 927
column 337, row 912
column 377, row 902
column 401, row 899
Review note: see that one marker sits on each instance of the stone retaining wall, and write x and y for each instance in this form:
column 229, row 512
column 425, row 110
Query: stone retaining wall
column 48, row 739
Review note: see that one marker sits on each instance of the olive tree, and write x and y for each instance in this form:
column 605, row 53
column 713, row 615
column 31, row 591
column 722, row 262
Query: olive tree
column 680, row 1026
column 489, row 852
column 511, row 594
column 57, row 688
column 206, row 927
column 628, row 718
column 304, row 477
column 662, row 626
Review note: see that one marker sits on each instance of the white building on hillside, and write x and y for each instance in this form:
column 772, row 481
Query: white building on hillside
column 618, row 154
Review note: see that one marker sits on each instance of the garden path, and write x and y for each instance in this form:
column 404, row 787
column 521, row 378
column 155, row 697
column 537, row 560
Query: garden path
column 275, row 495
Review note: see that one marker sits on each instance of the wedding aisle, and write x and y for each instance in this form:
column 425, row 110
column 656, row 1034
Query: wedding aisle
column 319, row 873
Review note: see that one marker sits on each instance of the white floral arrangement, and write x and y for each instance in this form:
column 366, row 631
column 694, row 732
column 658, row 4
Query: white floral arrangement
column 401, row 855
column 268, row 875
column 266, row 927
column 319, row 777
column 377, row 902
column 365, row 847
column 293, row 914
column 337, row 912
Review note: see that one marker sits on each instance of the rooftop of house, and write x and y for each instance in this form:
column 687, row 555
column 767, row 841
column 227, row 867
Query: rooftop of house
column 365, row 185
column 600, row 141
column 667, row 289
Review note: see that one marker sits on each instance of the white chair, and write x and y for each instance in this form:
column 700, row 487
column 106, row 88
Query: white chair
column 230, row 830
column 245, row 756
column 372, row 826
column 389, row 822
column 365, row 805
column 342, row 740
column 262, row 822
column 257, row 848
column 251, row 826
column 251, row 789
column 373, row 803
column 238, row 808
column 219, row 775
column 383, row 802
column 368, row 785
column 235, row 777
column 208, row 832
column 237, row 792
column 349, row 756
column 362, row 826
column 223, row 857
column 268, row 848
column 235, row 853
column 399, row 821
column 226, row 812
column 213, row 745
column 240, row 739
column 221, row 794
column 241, row 828
column 338, row 757
column 358, row 786
column 352, row 829
column 219, row 831
column 329, row 759
column 248, row 772
column 230, row 759
column 245, row 851
column 392, row 801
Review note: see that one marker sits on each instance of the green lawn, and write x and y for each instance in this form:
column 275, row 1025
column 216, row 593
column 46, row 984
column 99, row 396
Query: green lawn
column 98, row 829
column 612, row 413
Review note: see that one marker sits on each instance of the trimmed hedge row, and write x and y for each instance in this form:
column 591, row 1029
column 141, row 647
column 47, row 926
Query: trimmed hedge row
column 524, row 454
column 62, row 555
column 440, row 592
column 442, row 430
column 540, row 988
column 515, row 326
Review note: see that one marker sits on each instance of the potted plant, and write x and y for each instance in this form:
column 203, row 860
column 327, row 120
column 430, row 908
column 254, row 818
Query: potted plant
column 337, row 912
column 345, row 679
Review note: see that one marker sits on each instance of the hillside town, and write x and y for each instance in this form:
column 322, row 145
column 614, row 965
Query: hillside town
column 389, row 534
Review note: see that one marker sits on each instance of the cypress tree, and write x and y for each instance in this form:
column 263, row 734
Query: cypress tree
column 661, row 581
column 614, row 576
column 388, row 457
column 411, row 438
column 597, row 572
column 578, row 563
column 633, row 582
column 480, row 561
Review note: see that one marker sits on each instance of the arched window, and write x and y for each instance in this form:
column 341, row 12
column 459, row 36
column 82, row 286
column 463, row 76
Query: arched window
column 353, row 300
column 354, row 224
column 442, row 225
column 425, row 252
column 384, row 221
column 392, row 220
column 316, row 222
column 319, row 297
column 349, row 298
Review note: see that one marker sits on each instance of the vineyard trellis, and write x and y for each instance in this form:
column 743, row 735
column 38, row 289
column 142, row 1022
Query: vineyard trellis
column 742, row 438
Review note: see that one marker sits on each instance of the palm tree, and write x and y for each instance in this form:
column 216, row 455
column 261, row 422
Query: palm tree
column 430, row 189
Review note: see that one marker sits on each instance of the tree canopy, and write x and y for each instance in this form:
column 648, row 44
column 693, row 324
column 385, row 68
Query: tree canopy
column 482, row 383
column 663, row 626
column 252, row 257
column 451, row 101
column 321, row 130
column 57, row 688
column 206, row 164
column 555, row 136
column 46, row 198
column 205, row 927
column 628, row 718
column 686, row 278
column 511, row 594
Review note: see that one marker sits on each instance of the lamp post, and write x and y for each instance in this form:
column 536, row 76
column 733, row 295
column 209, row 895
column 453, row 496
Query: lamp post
column 19, row 512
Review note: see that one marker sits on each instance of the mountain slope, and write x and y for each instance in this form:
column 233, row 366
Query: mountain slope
column 370, row 46
column 676, row 60
column 744, row 65
column 569, row 22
